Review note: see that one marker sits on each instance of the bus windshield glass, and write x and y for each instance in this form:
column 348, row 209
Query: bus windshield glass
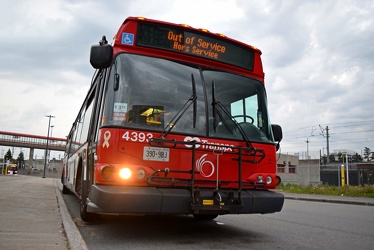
column 149, row 93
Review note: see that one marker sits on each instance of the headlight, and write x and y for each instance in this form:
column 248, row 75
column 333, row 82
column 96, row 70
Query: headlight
column 269, row 180
column 140, row 174
column 125, row 173
column 260, row 179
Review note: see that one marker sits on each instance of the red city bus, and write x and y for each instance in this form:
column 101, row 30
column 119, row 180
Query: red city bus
column 175, row 122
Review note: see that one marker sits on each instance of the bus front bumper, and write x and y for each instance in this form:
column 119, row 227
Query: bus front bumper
column 152, row 200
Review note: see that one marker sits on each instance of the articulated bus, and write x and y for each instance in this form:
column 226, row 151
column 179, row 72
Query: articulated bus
column 175, row 122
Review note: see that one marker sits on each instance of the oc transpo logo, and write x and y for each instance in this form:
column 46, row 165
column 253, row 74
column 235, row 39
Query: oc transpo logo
column 205, row 144
column 205, row 167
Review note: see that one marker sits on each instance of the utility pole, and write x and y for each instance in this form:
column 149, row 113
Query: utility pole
column 327, row 146
column 307, row 148
column 307, row 155
column 46, row 149
column 49, row 151
column 327, row 141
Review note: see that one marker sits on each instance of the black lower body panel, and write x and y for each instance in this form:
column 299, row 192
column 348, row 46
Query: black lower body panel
column 153, row 200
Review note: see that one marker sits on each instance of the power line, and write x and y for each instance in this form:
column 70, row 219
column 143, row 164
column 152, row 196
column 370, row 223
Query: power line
column 349, row 132
column 346, row 123
column 331, row 125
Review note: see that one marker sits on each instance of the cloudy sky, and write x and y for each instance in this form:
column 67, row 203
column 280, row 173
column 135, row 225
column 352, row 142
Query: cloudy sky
column 318, row 60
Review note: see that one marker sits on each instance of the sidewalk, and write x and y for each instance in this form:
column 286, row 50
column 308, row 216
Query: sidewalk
column 33, row 215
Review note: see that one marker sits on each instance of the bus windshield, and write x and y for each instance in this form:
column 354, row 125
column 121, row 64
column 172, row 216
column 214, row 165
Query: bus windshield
column 149, row 93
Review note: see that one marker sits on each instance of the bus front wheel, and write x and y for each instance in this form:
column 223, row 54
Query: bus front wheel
column 85, row 216
column 65, row 190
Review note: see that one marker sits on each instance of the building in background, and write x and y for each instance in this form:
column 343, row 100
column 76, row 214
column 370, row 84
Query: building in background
column 298, row 171
column 311, row 169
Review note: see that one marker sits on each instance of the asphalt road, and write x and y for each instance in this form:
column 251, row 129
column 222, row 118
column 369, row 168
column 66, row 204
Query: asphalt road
column 300, row 225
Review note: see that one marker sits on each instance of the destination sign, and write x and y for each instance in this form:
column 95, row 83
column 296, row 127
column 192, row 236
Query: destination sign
column 194, row 43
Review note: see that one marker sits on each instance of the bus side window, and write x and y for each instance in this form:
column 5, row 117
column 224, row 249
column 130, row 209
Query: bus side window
column 86, row 122
column 68, row 145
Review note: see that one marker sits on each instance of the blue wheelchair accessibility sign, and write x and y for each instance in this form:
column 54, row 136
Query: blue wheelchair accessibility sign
column 127, row 38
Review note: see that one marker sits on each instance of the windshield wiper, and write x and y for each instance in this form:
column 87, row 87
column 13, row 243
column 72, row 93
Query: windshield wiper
column 218, row 104
column 214, row 108
column 194, row 101
column 180, row 113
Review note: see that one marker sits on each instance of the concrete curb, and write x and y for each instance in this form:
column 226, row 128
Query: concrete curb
column 76, row 242
column 330, row 200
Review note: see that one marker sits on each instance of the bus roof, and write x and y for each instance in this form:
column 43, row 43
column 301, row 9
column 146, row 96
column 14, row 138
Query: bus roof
column 149, row 36
column 188, row 27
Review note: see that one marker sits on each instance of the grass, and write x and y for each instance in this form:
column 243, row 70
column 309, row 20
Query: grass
column 353, row 191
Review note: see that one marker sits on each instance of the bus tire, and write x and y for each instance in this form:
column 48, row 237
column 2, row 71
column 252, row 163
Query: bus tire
column 65, row 190
column 205, row 216
column 85, row 216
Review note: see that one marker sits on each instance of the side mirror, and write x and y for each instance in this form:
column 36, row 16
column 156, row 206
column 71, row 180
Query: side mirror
column 277, row 132
column 101, row 55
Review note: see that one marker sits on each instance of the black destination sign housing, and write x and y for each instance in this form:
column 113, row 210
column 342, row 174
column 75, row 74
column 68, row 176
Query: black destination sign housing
column 189, row 42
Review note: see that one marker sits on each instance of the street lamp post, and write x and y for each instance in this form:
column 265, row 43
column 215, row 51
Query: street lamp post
column 49, row 151
column 2, row 169
column 46, row 149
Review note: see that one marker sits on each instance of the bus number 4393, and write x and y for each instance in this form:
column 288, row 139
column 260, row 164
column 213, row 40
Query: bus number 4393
column 136, row 136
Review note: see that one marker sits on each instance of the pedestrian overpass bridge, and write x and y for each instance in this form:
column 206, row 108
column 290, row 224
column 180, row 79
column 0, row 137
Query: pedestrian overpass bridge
column 32, row 142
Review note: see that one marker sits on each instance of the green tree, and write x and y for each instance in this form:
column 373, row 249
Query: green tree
column 8, row 156
column 368, row 155
column 21, row 159
column 356, row 158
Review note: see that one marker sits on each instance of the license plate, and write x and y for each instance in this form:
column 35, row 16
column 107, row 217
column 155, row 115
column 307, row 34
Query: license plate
column 156, row 154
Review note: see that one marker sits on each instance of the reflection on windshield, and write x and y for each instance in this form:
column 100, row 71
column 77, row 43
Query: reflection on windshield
column 152, row 91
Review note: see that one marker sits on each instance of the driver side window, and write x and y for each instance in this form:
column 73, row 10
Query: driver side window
column 245, row 108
